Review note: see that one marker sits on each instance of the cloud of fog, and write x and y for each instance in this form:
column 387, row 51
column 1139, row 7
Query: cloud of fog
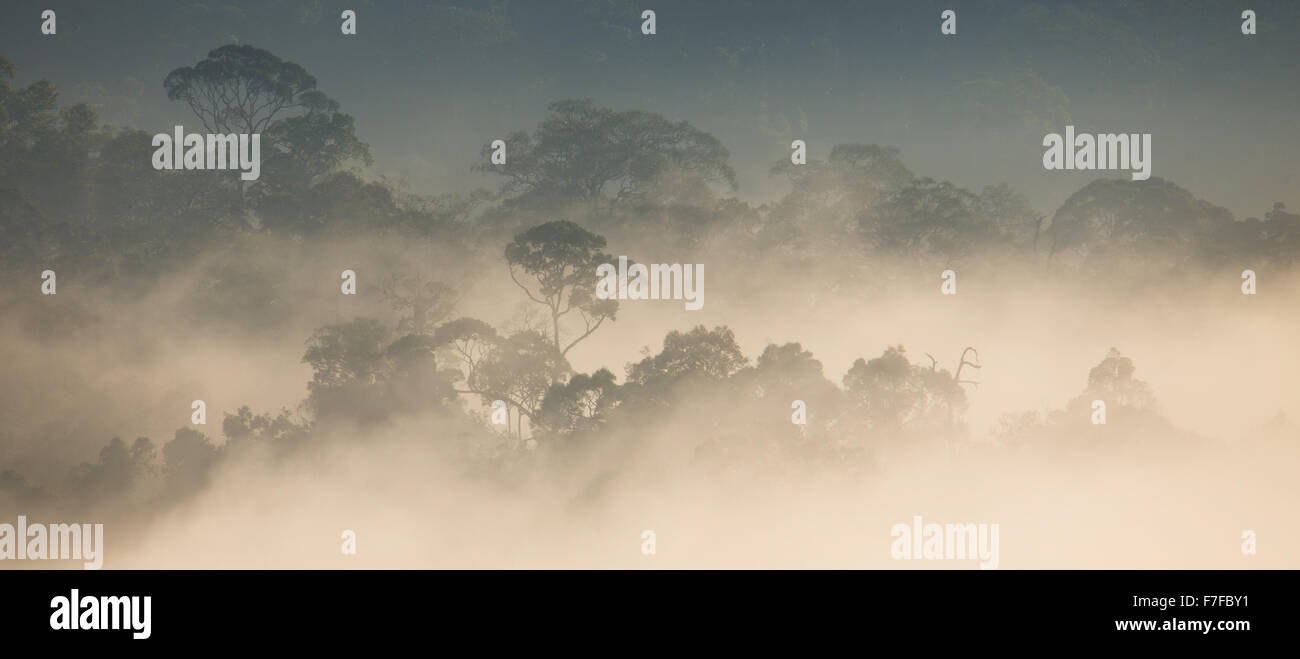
column 1222, row 366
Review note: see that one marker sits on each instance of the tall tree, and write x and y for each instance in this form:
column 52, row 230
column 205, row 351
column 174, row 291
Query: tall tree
column 243, row 89
column 561, row 258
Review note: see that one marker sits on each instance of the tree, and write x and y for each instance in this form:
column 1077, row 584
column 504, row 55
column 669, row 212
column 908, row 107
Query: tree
column 412, row 379
column 351, row 352
column 826, row 200
column 468, row 340
column 429, row 301
column 1012, row 215
column 244, row 426
column 1276, row 237
column 929, row 216
column 109, row 478
column 149, row 215
column 312, row 145
column 781, row 375
column 362, row 376
column 74, row 192
column 581, row 405
column 348, row 367
column 788, row 372
column 23, row 238
column 562, row 258
column 518, row 370
column 698, row 354
column 188, row 458
column 854, row 174
column 1112, row 381
column 46, row 167
column 242, row 89
column 580, row 151
column 303, row 172
column 1151, row 223
column 1280, row 232
column 893, row 395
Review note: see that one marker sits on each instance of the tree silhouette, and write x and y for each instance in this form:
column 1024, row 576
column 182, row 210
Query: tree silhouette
column 581, row 405
column 1112, row 222
column 242, row 89
column 1112, row 381
column 561, row 258
column 698, row 354
column 518, row 370
column 583, row 151
column 894, row 395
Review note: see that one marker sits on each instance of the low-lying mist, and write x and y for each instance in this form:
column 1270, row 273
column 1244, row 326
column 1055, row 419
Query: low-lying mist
column 722, row 479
